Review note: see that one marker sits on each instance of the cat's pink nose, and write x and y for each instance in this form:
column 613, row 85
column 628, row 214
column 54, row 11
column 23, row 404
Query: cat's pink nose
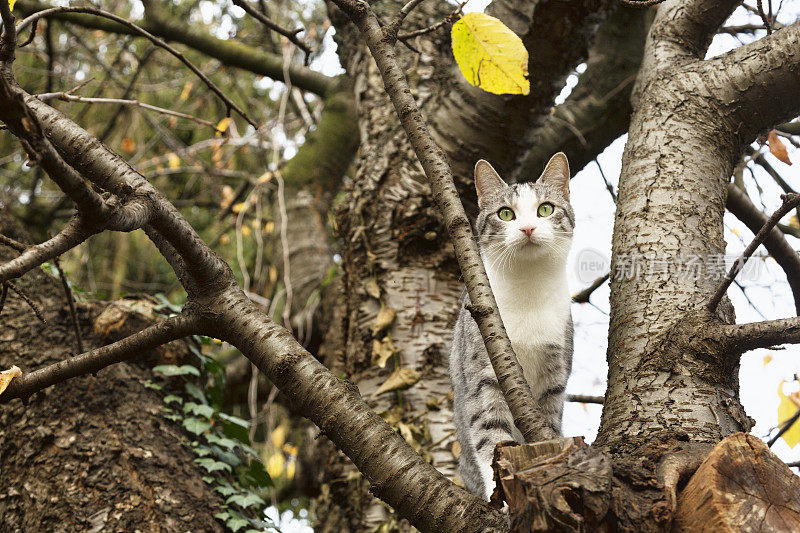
column 527, row 230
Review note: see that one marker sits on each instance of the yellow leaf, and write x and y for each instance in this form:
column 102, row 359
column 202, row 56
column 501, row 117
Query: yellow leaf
column 246, row 231
column 490, row 55
column 269, row 226
column 223, row 125
column 7, row 375
column 187, row 89
column 767, row 358
column 273, row 274
column 786, row 409
column 224, row 239
column 401, row 379
column 11, row 4
column 275, row 465
column 238, row 207
column 265, row 177
column 777, row 148
column 173, row 160
column 735, row 232
column 278, row 436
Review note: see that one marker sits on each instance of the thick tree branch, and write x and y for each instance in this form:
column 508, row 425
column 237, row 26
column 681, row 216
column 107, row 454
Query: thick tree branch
column 397, row 475
column 527, row 415
column 790, row 201
column 776, row 244
column 740, row 338
column 230, row 53
column 598, row 109
column 762, row 81
column 169, row 329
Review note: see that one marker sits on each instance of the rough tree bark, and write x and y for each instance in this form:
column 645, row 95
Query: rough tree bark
column 98, row 453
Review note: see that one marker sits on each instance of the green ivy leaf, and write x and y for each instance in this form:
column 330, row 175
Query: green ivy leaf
column 212, row 465
column 235, row 420
column 196, row 425
column 222, row 442
column 200, row 410
column 236, row 522
column 172, row 398
column 195, row 392
column 174, row 370
column 245, row 500
column 225, row 488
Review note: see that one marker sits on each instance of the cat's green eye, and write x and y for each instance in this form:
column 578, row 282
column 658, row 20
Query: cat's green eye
column 506, row 214
column 546, row 209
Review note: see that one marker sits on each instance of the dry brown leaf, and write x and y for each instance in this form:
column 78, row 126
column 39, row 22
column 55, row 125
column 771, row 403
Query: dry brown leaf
column 455, row 449
column 777, row 148
column 371, row 286
column 128, row 145
column 401, row 379
column 382, row 351
column 7, row 375
column 383, row 320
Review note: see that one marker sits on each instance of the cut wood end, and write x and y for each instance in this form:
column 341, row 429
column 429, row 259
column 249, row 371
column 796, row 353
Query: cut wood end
column 740, row 486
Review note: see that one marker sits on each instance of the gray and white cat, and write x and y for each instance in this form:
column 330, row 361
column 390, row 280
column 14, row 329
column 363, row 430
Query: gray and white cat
column 524, row 233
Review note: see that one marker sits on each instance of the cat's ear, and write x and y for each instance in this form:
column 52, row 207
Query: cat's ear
column 487, row 180
column 557, row 173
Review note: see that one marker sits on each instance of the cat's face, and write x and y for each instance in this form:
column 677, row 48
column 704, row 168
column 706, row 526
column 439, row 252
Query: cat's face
column 526, row 221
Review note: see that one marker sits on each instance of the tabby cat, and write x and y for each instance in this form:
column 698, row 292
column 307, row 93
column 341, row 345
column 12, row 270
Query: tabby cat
column 524, row 233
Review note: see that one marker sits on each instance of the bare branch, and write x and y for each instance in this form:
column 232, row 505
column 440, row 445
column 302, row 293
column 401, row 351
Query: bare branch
column 230, row 53
column 790, row 201
column 583, row 296
column 744, row 337
column 449, row 19
column 776, row 244
column 291, row 35
column 155, row 40
column 527, row 415
column 131, row 103
column 585, row 398
column 393, row 27
column 760, row 82
column 169, row 329
column 71, row 302
column 74, row 233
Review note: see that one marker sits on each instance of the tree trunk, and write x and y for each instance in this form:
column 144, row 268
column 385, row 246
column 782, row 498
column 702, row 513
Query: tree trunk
column 93, row 454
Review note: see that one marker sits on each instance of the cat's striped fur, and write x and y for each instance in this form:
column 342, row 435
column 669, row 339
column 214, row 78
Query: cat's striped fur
column 527, row 273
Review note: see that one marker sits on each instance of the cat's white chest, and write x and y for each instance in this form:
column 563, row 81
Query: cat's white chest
column 535, row 320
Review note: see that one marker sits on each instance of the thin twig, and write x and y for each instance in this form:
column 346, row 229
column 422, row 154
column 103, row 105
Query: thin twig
column 155, row 40
column 65, row 96
column 641, row 3
column 71, row 301
column 449, row 19
column 789, row 422
column 790, row 201
column 391, row 29
column 3, row 295
column 291, row 35
column 764, row 17
column 22, row 294
column 582, row 297
column 585, row 398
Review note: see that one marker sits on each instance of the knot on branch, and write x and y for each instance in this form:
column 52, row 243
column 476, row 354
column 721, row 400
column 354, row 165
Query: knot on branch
column 556, row 485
